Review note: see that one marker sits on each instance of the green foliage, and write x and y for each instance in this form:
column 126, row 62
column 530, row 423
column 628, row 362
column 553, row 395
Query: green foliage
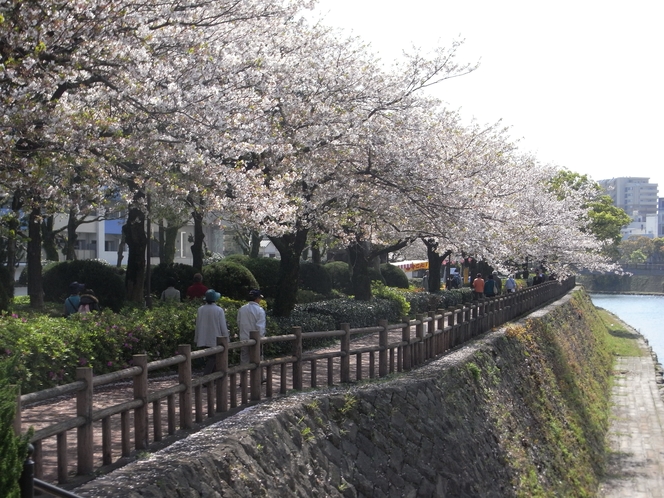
column 184, row 274
column 378, row 290
column 12, row 448
column 266, row 272
column 230, row 279
column 314, row 277
column 422, row 302
column 104, row 279
column 339, row 273
column 357, row 313
column 241, row 259
column 308, row 296
column 375, row 275
column 394, row 276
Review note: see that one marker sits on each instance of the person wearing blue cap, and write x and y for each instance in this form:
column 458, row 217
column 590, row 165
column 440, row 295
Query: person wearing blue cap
column 74, row 300
column 250, row 317
column 210, row 324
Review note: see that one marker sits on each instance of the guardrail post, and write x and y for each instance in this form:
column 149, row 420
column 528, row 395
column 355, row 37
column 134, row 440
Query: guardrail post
column 141, row 392
column 255, row 357
column 27, row 479
column 405, row 338
column 84, row 432
column 382, row 353
column 297, row 365
column 184, row 378
column 345, row 354
column 419, row 333
column 431, row 332
column 221, row 362
column 440, row 342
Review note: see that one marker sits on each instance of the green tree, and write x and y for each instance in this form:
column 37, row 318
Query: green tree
column 604, row 219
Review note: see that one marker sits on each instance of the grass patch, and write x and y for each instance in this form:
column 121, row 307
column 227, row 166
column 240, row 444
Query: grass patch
column 621, row 340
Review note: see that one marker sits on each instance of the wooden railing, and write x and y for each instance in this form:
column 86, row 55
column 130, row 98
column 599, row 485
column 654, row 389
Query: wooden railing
column 228, row 387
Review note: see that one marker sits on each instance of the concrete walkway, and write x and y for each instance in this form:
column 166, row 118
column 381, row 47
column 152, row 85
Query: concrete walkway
column 636, row 436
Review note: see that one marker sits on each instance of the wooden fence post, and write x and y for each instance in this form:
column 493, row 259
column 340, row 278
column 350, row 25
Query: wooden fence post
column 440, row 342
column 184, row 377
column 405, row 338
column 19, row 410
column 297, row 365
column 221, row 363
column 419, row 333
column 345, row 357
column 255, row 357
column 382, row 353
column 141, row 392
column 84, row 433
column 431, row 332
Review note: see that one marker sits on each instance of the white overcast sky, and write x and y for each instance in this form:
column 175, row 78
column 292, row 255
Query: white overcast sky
column 580, row 83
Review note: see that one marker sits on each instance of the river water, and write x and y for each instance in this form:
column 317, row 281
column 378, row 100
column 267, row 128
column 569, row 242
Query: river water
column 644, row 313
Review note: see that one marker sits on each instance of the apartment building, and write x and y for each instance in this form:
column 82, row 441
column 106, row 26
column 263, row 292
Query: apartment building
column 638, row 197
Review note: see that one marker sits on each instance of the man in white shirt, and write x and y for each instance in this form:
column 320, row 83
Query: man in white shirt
column 210, row 324
column 250, row 317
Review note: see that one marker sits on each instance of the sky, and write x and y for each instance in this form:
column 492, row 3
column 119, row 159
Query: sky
column 579, row 83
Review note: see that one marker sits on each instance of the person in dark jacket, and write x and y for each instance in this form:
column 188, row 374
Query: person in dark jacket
column 490, row 287
column 89, row 302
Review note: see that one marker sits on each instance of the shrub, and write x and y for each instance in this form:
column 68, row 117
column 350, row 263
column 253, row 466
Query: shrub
column 12, row 448
column 375, row 275
column 314, row 277
column 381, row 291
column 357, row 313
column 266, row 272
column 104, row 279
column 236, row 258
column 230, row 279
column 184, row 274
column 394, row 276
column 423, row 302
column 307, row 296
column 339, row 273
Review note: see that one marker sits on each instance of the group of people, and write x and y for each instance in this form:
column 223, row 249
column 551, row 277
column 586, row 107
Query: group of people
column 211, row 323
column 195, row 291
column 493, row 285
column 80, row 300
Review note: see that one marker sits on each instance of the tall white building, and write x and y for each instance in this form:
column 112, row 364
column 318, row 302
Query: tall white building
column 638, row 197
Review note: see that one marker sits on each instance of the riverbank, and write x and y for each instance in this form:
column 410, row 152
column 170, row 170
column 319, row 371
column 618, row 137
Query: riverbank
column 636, row 434
column 521, row 411
column 623, row 284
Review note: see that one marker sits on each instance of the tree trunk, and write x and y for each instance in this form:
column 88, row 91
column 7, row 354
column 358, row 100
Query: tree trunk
column 121, row 247
column 72, row 236
column 35, row 290
column 255, row 244
column 359, row 263
column 136, row 239
column 197, row 246
column 290, row 247
column 170, row 234
column 435, row 262
column 48, row 239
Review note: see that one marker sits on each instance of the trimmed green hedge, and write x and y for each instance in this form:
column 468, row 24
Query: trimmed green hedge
column 231, row 279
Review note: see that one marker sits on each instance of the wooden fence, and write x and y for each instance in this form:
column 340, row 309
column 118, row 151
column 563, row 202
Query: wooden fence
column 227, row 387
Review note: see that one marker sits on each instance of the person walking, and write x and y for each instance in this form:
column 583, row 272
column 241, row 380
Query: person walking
column 210, row 324
column 490, row 287
column 478, row 286
column 197, row 289
column 510, row 284
column 499, row 283
column 250, row 317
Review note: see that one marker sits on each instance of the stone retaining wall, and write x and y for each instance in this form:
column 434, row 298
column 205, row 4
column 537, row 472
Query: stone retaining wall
column 445, row 429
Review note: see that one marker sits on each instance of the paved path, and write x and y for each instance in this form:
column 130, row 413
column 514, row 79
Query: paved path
column 636, row 434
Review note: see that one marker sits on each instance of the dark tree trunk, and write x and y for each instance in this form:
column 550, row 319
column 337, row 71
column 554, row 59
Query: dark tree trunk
column 359, row 256
column 48, row 239
column 435, row 263
column 72, row 237
column 290, row 247
column 255, row 244
column 35, row 290
column 199, row 236
column 136, row 239
column 13, row 228
column 170, row 235
column 121, row 248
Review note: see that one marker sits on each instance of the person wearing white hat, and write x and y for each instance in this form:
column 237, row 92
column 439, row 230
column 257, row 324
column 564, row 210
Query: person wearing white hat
column 210, row 324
